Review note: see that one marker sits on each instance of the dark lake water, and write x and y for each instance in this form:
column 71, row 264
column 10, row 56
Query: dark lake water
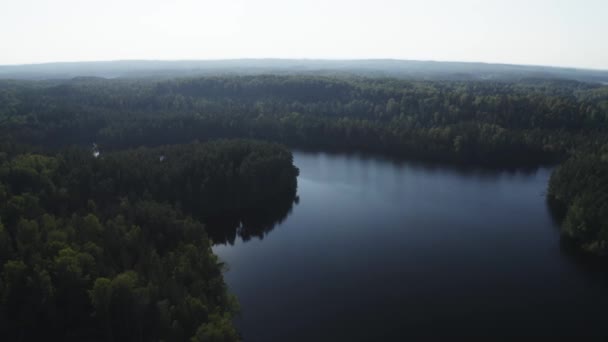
column 377, row 250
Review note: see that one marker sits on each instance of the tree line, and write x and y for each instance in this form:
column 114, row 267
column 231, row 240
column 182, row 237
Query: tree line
column 483, row 122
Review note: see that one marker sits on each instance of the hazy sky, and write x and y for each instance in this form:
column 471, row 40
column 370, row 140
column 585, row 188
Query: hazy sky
column 547, row 32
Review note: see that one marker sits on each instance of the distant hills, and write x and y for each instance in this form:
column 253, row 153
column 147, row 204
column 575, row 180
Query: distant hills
column 424, row 70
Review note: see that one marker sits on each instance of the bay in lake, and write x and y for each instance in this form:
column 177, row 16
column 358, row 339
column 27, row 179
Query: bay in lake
column 383, row 250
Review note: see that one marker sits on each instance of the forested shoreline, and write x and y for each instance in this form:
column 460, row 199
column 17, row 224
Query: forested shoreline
column 112, row 189
column 578, row 190
column 113, row 246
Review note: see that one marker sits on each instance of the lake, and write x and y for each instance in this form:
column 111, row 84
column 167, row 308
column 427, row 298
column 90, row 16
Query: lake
column 383, row 250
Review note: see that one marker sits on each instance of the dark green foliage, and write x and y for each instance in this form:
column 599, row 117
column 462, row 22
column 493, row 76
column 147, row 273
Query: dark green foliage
column 579, row 188
column 113, row 248
column 484, row 122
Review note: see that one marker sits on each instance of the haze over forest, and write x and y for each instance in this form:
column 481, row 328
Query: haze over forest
column 420, row 70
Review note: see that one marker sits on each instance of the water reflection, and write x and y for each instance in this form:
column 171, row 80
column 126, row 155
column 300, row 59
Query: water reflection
column 478, row 169
column 392, row 250
column 557, row 210
column 252, row 223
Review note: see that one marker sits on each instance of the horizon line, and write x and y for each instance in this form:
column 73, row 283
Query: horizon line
column 299, row 59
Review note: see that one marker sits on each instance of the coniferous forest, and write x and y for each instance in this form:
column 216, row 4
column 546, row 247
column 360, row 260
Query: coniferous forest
column 113, row 190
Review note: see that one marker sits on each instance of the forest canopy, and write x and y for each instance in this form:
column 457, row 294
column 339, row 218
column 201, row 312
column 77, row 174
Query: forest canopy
column 113, row 246
column 113, row 190
column 579, row 190
column 476, row 121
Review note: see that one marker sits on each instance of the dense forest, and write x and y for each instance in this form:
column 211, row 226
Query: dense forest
column 113, row 246
column 579, row 191
column 482, row 122
column 113, row 190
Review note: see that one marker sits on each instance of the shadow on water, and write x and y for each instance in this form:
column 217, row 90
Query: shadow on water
column 477, row 166
column 591, row 265
column 557, row 210
column 474, row 169
column 254, row 223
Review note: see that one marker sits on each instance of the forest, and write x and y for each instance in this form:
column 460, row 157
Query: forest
column 113, row 246
column 481, row 122
column 579, row 191
column 113, row 190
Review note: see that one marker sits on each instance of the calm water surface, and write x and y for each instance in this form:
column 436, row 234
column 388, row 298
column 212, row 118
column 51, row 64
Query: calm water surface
column 378, row 250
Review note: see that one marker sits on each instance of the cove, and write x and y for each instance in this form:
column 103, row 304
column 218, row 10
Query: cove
column 382, row 250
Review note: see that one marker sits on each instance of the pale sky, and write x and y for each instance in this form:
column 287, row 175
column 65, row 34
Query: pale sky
column 541, row 32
